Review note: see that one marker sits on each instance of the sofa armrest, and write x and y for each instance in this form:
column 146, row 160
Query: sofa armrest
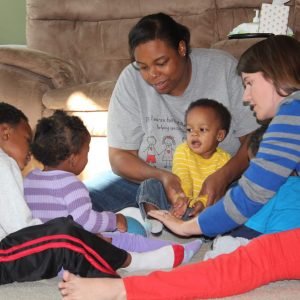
column 62, row 73
column 93, row 96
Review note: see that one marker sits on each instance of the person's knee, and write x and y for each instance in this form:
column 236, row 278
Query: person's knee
column 154, row 182
column 151, row 185
column 147, row 191
column 65, row 225
column 151, row 192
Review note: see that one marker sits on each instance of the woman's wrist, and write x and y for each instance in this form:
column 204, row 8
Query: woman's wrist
column 191, row 227
column 161, row 174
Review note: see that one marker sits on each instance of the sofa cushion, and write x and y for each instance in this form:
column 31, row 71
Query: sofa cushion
column 88, row 101
column 93, row 96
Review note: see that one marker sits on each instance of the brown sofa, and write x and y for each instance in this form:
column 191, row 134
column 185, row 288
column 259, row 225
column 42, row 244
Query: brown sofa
column 76, row 49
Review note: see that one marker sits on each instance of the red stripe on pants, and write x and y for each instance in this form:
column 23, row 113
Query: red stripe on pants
column 56, row 237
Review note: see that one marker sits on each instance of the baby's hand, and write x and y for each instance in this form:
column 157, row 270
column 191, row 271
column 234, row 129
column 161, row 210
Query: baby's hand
column 121, row 223
column 179, row 207
column 197, row 208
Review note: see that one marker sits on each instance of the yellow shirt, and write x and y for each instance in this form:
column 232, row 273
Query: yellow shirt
column 192, row 169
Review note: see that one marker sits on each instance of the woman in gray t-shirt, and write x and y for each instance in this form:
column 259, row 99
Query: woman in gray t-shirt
column 148, row 104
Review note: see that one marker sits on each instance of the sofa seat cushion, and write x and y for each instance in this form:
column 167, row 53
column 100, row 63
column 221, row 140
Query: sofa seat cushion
column 93, row 96
column 88, row 101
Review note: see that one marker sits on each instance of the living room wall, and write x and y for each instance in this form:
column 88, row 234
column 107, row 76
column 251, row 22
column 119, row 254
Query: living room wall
column 12, row 22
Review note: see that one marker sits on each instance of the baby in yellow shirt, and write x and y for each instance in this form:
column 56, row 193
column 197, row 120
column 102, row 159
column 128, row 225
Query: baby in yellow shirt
column 207, row 124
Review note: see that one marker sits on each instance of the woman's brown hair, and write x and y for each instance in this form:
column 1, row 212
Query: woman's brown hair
column 278, row 58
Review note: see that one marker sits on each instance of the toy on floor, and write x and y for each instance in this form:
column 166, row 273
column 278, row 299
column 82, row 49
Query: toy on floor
column 134, row 226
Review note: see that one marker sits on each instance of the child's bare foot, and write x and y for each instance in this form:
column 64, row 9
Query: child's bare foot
column 76, row 288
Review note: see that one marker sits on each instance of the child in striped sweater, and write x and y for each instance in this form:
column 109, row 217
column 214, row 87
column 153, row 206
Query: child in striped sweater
column 207, row 124
column 61, row 144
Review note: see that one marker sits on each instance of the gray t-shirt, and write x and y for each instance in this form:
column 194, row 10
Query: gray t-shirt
column 141, row 119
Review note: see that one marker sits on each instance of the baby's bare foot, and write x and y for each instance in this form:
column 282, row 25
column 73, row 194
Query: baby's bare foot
column 76, row 288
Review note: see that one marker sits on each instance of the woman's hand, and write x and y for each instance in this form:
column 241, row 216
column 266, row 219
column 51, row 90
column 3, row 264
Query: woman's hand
column 172, row 186
column 183, row 228
column 214, row 186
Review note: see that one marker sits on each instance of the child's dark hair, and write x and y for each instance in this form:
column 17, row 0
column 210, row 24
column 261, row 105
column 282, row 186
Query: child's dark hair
column 256, row 138
column 11, row 115
column 222, row 112
column 57, row 137
column 158, row 26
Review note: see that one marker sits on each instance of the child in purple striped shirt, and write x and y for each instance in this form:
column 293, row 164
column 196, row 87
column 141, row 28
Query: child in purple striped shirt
column 61, row 144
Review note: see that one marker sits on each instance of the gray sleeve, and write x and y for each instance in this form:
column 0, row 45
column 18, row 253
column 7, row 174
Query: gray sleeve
column 243, row 120
column 124, row 121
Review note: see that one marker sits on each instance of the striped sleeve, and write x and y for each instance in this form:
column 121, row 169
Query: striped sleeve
column 278, row 156
column 79, row 205
column 53, row 194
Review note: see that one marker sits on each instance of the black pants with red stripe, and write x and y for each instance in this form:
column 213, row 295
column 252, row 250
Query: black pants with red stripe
column 41, row 251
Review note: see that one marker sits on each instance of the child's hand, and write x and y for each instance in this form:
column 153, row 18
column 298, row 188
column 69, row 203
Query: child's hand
column 197, row 208
column 179, row 207
column 121, row 223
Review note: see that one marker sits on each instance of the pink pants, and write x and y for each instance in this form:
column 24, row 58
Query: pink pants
column 265, row 259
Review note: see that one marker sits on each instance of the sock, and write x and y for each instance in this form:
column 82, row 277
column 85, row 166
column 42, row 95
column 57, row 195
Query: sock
column 163, row 258
column 154, row 225
column 166, row 257
column 190, row 249
column 136, row 243
column 225, row 244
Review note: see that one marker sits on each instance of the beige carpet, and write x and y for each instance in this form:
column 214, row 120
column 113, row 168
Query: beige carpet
column 47, row 289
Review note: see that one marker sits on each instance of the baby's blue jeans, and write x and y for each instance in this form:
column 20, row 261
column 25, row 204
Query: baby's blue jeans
column 152, row 191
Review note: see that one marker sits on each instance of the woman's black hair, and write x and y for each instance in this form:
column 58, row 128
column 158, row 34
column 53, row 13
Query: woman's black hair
column 222, row 112
column 57, row 137
column 158, row 26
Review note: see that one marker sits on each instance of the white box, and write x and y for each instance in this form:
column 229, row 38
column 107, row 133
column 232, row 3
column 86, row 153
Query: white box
column 273, row 18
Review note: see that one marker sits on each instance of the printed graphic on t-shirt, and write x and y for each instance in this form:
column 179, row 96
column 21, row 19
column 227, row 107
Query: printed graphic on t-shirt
column 168, row 144
column 151, row 151
column 165, row 134
column 165, row 124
